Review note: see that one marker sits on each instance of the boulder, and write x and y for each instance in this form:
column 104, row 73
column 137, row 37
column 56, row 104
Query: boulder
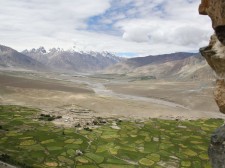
column 217, row 148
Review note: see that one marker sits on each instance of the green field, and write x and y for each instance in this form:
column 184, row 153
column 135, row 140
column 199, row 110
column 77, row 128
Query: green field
column 153, row 143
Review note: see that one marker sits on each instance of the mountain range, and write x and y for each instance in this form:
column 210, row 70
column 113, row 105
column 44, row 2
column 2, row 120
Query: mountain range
column 181, row 65
column 185, row 66
column 70, row 61
column 10, row 58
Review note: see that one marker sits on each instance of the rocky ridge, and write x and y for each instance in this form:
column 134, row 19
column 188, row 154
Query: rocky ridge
column 70, row 60
column 178, row 66
column 10, row 58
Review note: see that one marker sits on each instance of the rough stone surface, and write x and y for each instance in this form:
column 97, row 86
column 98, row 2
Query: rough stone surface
column 208, row 53
column 216, row 60
column 219, row 94
column 203, row 6
column 217, row 148
column 214, row 54
column 215, row 9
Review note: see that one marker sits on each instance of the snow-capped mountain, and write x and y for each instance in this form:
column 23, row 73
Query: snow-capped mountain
column 10, row 58
column 70, row 60
column 173, row 66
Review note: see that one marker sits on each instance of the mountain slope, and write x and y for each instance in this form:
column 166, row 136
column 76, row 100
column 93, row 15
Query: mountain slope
column 73, row 61
column 129, row 65
column 185, row 66
column 10, row 58
column 142, row 61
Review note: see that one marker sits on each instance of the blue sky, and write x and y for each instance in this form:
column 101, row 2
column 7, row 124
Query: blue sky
column 125, row 27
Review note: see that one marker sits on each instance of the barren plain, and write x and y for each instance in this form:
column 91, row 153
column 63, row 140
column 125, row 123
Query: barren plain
column 108, row 95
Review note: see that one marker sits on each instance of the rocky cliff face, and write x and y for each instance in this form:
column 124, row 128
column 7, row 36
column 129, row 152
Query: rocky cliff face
column 214, row 53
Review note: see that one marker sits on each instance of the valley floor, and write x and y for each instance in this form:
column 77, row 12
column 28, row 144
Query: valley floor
column 107, row 96
column 104, row 121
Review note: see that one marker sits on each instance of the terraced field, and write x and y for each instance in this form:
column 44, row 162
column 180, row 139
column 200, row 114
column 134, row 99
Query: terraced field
column 153, row 143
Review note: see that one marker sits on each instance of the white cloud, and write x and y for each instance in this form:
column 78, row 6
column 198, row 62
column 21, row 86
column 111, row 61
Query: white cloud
column 139, row 26
column 34, row 20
